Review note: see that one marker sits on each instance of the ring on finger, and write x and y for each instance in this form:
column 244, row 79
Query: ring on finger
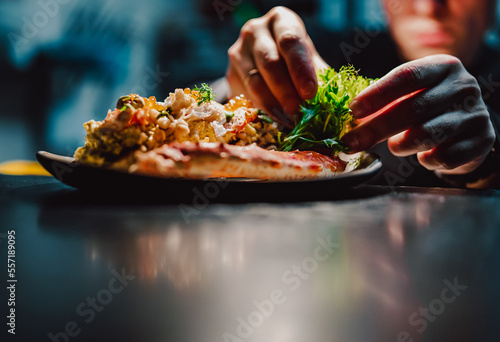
column 249, row 75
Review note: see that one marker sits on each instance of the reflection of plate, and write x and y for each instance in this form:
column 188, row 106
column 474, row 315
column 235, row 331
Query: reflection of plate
column 202, row 191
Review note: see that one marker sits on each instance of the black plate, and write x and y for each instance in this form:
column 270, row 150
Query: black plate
column 105, row 182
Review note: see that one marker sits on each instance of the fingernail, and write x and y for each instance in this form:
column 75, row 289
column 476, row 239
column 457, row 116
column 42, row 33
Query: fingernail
column 359, row 109
column 352, row 141
column 307, row 88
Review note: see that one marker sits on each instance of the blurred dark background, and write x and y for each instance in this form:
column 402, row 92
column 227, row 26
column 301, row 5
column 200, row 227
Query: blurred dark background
column 64, row 62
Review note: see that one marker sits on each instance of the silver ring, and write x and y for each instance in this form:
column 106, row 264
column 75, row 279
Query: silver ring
column 249, row 75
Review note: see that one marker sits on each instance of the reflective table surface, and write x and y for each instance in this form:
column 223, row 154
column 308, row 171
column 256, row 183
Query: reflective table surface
column 368, row 264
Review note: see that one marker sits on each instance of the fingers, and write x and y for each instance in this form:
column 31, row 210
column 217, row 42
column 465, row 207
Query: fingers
column 292, row 42
column 401, row 116
column 455, row 142
column 260, row 95
column 255, row 88
column 436, row 131
column 275, row 73
column 431, row 107
column 457, row 156
column 454, row 88
column 405, row 79
column 277, row 45
column 448, row 143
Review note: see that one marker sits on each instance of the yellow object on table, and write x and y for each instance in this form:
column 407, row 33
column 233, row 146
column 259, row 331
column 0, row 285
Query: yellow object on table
column 23, row 168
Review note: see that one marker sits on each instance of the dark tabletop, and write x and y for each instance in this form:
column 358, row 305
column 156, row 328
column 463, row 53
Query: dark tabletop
column 372, row 264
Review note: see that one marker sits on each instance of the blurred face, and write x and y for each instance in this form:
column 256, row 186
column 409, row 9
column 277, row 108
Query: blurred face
column 425, row 27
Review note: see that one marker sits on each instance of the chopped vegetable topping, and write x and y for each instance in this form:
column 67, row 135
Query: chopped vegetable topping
column 229, row 115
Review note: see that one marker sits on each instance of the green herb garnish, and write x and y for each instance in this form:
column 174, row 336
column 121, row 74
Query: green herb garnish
column 326, row 117
column 166, row 112
column 263, row 117
column 204, row 94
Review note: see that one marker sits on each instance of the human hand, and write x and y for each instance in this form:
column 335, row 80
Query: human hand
column 440, row 115
column 278, row 47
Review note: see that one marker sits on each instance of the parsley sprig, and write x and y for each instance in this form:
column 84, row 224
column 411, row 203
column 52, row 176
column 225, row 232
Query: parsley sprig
column 203, row 94
column 326, row 117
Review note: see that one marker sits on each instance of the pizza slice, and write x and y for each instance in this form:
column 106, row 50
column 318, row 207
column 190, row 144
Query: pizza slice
column 214, row 160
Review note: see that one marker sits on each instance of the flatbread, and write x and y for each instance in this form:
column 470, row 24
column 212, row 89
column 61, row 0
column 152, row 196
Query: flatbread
column 212, row 160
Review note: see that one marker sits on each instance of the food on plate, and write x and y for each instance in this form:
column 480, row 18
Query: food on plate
column 190, row 135
column 140, row 124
